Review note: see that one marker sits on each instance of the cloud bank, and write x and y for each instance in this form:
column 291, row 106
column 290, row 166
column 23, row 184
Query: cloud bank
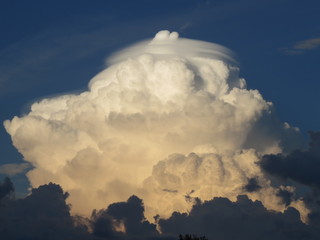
column 168, row 120
column 44, row 214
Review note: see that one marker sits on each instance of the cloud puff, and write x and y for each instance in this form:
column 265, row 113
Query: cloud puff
column 178, row 181
column 168, row 96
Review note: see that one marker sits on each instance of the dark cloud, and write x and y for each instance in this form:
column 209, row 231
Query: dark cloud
column 43, row 214
column 6, row 188
column 190, row 199
column 300, row 166
column 130, row 215
column 170, row 190
column 244, row 219
column 252, row 185
column 312, row 201
column 191, row 237
column 285, row 195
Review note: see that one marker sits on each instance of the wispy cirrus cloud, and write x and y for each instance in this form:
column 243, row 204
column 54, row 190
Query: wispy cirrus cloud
column 308, row 44
column 302, row 46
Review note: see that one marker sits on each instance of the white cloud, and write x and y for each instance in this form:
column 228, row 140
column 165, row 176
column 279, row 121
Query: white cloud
column 169, row 96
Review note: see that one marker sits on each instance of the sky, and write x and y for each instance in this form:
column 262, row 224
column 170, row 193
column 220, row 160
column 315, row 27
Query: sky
column 54, row 48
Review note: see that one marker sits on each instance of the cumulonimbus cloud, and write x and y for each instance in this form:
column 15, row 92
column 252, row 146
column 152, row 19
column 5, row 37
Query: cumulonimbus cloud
column 169, row 120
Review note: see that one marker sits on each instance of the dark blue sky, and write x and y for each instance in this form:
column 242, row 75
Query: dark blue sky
column 52, row 47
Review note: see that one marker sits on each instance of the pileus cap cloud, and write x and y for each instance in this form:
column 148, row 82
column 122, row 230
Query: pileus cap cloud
column 166, row 44
column 158, row 98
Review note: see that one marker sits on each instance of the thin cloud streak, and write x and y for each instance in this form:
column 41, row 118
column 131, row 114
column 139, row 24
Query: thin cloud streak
column 12, row 169
column 302, row 46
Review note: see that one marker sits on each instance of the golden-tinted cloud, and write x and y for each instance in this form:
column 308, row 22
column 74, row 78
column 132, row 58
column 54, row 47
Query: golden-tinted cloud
column 168, row 96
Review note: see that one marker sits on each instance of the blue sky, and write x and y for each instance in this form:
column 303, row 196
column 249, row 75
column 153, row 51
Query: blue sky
column 53, row 47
